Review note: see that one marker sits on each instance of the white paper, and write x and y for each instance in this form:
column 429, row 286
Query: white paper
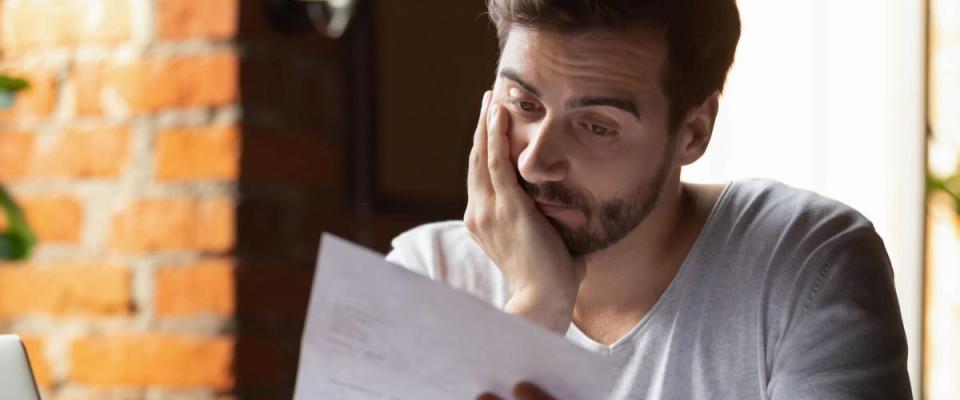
column 375, row 330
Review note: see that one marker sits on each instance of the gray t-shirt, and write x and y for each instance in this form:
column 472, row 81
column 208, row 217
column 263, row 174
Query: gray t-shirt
column 784, row 295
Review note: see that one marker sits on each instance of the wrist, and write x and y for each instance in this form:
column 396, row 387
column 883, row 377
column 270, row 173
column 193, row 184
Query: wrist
column 552, row 309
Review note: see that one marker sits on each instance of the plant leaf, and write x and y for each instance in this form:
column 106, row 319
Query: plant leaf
column 18, row 240
column 11, row 84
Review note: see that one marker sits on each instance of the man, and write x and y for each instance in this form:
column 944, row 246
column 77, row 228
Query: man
column 577, row 218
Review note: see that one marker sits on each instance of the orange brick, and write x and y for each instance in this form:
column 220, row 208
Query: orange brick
column 53, row 218
column 38, row 100
column 16, row 151
column 69, row 289
column 78, row 154
column 158, row 224
column 198, row 154
column 153, row 360
column 186, row 19
column 148, row 85
column 74, row 154
column 40, row 25
column 202, row 288
column 38, row 360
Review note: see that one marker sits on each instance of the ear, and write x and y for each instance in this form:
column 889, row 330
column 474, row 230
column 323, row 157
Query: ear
column 696, row 130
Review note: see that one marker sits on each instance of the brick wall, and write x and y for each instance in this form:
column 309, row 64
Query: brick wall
column 178, row 161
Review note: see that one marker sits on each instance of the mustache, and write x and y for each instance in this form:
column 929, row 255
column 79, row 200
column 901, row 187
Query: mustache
column 555, row 192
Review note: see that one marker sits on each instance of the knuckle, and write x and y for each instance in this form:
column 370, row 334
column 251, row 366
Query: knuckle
column 470, row 224
column 476, row 220
column 470, row 218
column 483, row 220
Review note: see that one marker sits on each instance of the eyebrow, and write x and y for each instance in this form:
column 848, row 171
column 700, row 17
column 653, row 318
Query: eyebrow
column 616, row 102
column 513, row 76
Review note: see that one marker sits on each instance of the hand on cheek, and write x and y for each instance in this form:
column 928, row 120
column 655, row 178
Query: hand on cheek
column 543, row 277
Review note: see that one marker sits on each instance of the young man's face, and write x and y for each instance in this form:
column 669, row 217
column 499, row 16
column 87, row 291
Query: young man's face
column 588, row 128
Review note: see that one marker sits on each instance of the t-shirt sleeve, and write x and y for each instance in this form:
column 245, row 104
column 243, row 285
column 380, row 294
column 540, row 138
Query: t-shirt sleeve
column 847, row 341
column 406, row 251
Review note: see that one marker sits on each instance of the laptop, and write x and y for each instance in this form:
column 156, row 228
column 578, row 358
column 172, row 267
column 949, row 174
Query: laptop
column 16, row 376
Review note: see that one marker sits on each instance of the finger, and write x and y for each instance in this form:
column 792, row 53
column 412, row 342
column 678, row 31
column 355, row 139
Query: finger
column 478, row 178
column 530, row 391
column 502, row 173
column 482, row 121
column 489, row 396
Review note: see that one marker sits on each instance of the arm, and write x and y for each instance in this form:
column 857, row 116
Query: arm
column 847, row 340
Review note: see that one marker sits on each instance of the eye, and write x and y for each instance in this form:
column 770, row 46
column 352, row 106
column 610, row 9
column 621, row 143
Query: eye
column 599, row 130
column 522, row 101
column 526, row 105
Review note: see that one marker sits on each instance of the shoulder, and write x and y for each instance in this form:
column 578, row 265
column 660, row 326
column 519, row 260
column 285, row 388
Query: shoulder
column 797, row 244
column 764, row 199
column 445, row 252
column 789, row 217
column 426, row 245
column 792, row 235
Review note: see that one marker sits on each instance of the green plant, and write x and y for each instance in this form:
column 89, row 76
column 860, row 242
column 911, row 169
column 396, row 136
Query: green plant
column 949, row 186
column 16, row 242
column 9, row 86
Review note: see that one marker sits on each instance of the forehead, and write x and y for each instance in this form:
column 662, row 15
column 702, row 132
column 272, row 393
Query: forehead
column 625, row 60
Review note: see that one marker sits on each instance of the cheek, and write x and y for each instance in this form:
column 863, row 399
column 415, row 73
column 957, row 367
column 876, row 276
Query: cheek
column 620, row 170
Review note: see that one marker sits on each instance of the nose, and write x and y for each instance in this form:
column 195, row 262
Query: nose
column 542, row 158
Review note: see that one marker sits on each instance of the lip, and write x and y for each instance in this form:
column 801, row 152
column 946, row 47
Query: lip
column 550, row 209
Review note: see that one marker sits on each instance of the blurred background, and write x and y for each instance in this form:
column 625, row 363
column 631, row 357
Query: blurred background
column 177, row 161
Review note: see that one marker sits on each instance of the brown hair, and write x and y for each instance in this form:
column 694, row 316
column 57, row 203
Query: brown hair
column 701, row 36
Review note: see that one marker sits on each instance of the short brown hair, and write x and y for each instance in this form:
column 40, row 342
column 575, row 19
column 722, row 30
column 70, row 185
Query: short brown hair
column 701, row 36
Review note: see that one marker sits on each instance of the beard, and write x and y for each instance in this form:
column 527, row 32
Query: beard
column 607, row 222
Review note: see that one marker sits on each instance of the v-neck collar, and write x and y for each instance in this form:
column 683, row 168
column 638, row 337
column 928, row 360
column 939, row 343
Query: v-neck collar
column 574, row 332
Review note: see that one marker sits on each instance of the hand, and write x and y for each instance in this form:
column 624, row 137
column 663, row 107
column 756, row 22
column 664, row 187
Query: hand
column 521, row 391
column 503, row 219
